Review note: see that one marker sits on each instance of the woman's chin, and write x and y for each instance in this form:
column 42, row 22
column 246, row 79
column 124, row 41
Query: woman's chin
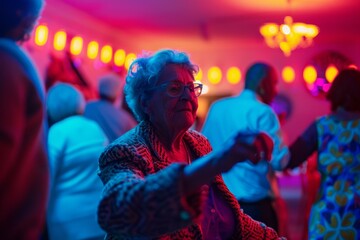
column 186, row 120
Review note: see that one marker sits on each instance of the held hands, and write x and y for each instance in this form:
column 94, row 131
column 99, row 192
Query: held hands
column 243, row 147
column 246, row 146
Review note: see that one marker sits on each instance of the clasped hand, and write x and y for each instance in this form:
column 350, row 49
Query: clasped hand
column 246, row 146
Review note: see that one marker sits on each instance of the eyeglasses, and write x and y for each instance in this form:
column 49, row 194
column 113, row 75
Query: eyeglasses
column 176, row 89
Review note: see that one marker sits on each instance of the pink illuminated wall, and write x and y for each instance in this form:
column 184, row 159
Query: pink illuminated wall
column 223, row 53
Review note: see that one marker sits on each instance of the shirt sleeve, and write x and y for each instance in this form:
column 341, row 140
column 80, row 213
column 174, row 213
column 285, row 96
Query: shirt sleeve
column 268, row 122
column 303, row 147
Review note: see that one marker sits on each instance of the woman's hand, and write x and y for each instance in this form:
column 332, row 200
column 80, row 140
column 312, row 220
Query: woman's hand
column 246, row 146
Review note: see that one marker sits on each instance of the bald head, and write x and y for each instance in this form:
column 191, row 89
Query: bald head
column 262, row 79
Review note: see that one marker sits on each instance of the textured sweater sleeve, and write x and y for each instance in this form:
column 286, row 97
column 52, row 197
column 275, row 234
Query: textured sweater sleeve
column 135, row 203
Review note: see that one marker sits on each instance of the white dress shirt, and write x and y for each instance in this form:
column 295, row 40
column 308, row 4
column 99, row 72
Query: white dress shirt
column 75, row 145
column 245, row 112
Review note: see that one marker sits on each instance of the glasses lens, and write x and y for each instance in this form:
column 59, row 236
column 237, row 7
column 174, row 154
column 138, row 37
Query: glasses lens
column 174, row 89
column 197, row 89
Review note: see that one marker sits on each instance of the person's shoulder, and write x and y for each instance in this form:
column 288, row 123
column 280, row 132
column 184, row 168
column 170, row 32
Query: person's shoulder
column 262, row 107
column 126, row 146
column 14, row 64
column 225, row 100
column 92, row 103
column 9, row 60
column 199, row 140
column 222, row 103
column 132, row 139
column 195, row 133
column 11, row 52
column 323, row 119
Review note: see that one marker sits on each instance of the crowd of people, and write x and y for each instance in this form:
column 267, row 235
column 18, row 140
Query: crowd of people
column 77, row 169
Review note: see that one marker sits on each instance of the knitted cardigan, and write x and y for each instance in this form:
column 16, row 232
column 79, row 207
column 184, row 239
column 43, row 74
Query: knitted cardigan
column 143, row 196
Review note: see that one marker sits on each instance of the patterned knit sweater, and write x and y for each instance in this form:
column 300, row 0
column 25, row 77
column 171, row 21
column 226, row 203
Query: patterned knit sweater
column 143, row 196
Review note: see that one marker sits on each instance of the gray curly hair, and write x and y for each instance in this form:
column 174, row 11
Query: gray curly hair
column 144, row 72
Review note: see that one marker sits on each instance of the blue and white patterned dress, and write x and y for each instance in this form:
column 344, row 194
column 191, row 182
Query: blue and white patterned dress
column 336, row 211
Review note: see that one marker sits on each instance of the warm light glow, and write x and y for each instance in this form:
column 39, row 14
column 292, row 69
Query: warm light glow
column 106, row 54
column 205, row 89
column 76, row 45
column 92, row 50
column 214, row 75
column 288, row 36
column 233, row 75
column 288, row 74
column 330, row 73
column 199, row 76
column 129, row 59
column 60, row 40
column 41, row 35
column 353, row 66
column 310, row 74
column 119, row 57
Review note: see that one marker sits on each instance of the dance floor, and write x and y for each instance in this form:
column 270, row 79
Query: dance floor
column 291, row 189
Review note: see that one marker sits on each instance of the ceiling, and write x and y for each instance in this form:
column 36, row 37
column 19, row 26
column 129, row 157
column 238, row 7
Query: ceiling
column 213, row 19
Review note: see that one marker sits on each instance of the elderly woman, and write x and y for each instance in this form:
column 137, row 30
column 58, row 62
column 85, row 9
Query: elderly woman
column 160, row 180
column 75, row 144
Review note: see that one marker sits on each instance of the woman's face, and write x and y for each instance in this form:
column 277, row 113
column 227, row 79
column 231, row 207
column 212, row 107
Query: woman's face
column 169, row 113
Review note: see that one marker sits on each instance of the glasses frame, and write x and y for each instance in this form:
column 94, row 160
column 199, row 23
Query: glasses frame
column 197, row 85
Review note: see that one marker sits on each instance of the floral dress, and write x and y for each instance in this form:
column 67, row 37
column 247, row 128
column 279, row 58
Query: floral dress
column 336, row 211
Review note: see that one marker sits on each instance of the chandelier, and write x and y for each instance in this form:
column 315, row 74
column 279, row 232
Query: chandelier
column 288, row 36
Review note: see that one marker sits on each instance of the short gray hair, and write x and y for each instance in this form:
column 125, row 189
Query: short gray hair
column 64, row 100
column 109, row 86
column 144, row 72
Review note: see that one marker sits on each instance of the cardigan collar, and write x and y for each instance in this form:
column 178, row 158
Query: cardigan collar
column 150, row 136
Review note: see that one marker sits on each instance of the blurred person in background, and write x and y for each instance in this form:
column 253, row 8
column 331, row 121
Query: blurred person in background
column 75, row 144
column 335, row 212
column 24, row 169
column 107, row 111
column 251, row 111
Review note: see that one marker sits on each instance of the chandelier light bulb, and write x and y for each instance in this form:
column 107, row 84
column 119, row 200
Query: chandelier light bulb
column 289, row 35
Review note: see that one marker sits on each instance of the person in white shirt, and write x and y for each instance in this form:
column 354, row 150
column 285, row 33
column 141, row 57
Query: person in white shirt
column 250, row 111
column 75, row 144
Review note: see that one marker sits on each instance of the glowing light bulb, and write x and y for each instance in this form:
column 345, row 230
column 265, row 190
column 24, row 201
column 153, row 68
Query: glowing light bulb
column 233, row 75
column 119, row 57
column 60, row 40
column 310, row 74
column 214, row 75
column 76, row 45
column 106, row 54
column 92, row 50
column 288, row 74
column 330, row 73
column 129, row 59
column 41, row 35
